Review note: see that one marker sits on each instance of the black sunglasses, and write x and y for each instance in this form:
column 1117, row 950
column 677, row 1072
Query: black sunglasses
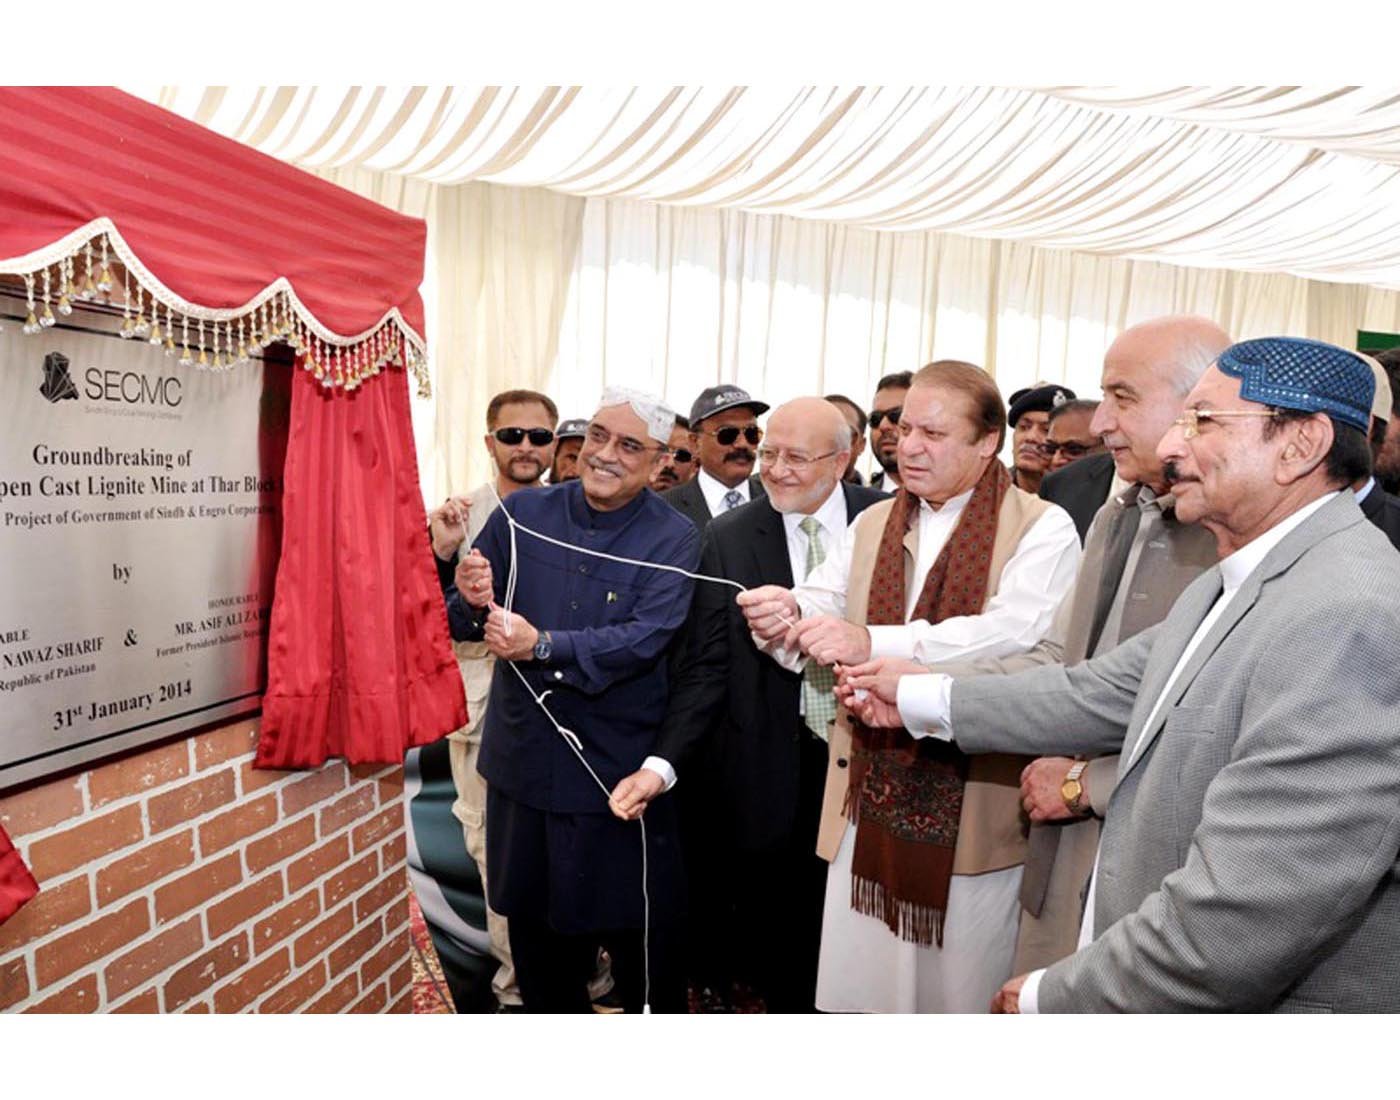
column 539, row 437
column 880, row 415
column 681, row 455
column 726, row 436
column 1074, row 450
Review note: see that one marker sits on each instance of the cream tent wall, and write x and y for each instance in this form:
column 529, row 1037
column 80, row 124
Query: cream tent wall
column 812, row 240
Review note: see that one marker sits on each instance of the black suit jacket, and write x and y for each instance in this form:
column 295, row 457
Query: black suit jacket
column 738, row 705
column 1081, row 488
column 689, row 501
column 1383, row 509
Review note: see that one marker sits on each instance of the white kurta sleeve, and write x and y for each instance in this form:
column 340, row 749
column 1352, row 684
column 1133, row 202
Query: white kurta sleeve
column 1033, row 582
column 822, row 593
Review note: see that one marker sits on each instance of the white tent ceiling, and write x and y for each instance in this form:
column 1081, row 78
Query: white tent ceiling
column 1298, row 180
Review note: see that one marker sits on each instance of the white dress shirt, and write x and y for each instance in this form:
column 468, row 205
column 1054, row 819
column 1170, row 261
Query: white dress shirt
column 928, row 702
column 714, row 492
column 831, row 514
column 1032, row 584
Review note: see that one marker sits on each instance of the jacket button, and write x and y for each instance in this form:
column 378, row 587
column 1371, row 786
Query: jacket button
column 841, row 761
column 573, row 605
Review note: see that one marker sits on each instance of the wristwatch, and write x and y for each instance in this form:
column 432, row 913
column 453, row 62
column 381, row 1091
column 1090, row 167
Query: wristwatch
column 544, row 646
column 1071, row 790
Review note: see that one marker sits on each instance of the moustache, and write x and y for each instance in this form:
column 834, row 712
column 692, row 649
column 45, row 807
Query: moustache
column 605, row 467
column 739, row 454
column 666, row 473
column 1172, row 472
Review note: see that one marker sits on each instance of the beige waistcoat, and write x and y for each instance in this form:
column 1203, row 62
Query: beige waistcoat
column 992, row 828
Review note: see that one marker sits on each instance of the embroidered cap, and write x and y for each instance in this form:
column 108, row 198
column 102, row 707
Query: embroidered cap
column 1381, row 404
column 658, row 416
column 1036, row 399
column 1289, row 372
column 718, row 398
column 572, row 429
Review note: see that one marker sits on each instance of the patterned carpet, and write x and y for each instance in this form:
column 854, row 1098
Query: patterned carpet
column 430, row 995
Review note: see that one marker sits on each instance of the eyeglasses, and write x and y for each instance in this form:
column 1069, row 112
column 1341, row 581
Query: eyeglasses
column 1190, row 419
column 878, row 416
column 600, row 437
column 727, row 436
column 1074, row 450
column 511, row 437
column 796, row 460
column 681, row 455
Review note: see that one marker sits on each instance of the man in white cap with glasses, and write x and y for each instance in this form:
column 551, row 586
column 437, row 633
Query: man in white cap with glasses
column 588, row 634
column 1248, row 861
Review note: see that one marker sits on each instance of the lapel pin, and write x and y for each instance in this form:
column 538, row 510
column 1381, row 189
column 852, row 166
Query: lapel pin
column 612, row 597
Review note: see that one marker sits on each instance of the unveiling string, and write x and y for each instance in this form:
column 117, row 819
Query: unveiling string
column 570, row 737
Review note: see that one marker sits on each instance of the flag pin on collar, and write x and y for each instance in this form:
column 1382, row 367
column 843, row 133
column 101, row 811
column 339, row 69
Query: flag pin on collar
column 612, row 597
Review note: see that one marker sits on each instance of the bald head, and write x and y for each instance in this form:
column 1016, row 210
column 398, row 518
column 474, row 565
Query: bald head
column 1147, row 373
column 805, row 449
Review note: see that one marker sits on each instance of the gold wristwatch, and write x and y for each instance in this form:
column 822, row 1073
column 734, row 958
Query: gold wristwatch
column 1071, row 790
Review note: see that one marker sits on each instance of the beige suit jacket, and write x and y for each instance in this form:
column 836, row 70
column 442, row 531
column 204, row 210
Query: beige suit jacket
column 991, row 830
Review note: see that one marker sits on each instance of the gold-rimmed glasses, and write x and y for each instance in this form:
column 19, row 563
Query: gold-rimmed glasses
column 1190, row 419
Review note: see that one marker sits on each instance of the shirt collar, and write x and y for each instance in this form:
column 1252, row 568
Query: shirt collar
column 831, row 514
column 1235, row 569
column 714, row 490
column 1365, row 490
column 951, row 508
column 590, row 518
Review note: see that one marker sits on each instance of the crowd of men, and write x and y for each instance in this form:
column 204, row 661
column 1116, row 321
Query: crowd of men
column 1113, row 728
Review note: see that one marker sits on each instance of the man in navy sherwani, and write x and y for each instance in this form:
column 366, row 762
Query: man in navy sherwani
column 566, row 858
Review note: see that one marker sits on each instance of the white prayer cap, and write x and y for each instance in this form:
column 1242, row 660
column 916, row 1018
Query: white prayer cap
column 659, row 417
column 1381, row 403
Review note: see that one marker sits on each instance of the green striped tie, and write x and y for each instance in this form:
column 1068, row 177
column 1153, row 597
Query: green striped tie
column 819, row 704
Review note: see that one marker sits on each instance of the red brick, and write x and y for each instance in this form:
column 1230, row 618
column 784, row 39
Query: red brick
column 339, row 997
column 317, row 864
column 199, row 974
column 14, row 982
column 345, row 810
column 145, row 1003
column 391, row 954
column 190, row 801
column 396, row 915
column 139, row 964
column 371, row 832
column 253, row 982
column 355, row 948
column 391, row 789
column 403, row 1006
column 144, row 866
column 244, row 905
column 313, row 789
column 360, row 772
column 316, row 939
column 197, row 887
column 373, row 1001
column 400, row 977
column 233, row 825
column 40, row 807
column 380, row 894
column 394, row 851
column 81, row 996
column 255, row 779
column 48, row 911
column 140, row 773
column 298, row 991
column 262, row 854
column 225, row 743
column 76, row 949
column 197, row 1009
column 56, row 855
column 352, row 880
column 285, row 921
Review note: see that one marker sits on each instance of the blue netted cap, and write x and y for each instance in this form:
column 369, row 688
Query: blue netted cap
column 1292, row 373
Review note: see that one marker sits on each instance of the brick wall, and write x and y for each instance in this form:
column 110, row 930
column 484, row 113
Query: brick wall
column 178, row 879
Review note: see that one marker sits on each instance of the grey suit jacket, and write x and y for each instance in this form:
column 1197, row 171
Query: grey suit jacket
column 1249, row 857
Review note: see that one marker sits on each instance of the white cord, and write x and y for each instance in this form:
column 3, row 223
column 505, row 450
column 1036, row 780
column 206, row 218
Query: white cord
column 571, row 738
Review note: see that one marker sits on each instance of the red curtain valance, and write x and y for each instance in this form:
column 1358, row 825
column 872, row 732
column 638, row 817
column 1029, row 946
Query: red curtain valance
column 219, row 248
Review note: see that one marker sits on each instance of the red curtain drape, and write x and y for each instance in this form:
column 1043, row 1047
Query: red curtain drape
column 360, row 664
column 17, row 885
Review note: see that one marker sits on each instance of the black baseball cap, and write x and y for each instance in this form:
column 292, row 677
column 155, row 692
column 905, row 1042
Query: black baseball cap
column 718, row 398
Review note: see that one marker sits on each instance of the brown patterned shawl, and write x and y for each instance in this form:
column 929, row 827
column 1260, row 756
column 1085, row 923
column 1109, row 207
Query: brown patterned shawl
column 905, row 796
